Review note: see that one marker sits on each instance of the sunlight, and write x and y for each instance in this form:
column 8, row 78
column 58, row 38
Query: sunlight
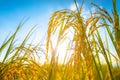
column 62, row 53
column 63, row 50
column 65, row 40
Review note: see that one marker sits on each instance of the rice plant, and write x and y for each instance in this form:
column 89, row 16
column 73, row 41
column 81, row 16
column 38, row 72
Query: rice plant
column 113, row 21
column 21, row 61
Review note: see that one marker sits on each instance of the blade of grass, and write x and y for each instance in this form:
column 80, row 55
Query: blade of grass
column 12, row 40
column 105, row 54
column 23, row 42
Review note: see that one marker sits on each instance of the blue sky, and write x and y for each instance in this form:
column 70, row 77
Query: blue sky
column 39, row 11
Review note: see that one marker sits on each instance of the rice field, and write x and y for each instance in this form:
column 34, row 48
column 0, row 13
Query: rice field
column 87, row 55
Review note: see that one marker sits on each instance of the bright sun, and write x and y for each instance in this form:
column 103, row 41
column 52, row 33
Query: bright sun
column 63, row 51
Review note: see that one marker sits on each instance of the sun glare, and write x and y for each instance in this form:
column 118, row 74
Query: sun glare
column 62, row 51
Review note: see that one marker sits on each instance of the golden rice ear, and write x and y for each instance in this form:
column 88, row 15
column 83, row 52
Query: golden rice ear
column 103, row 12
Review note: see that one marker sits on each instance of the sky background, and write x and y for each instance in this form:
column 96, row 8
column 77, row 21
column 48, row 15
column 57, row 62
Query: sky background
column 39, row 13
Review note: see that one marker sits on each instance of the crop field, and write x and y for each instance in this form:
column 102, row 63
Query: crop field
column 87, row 53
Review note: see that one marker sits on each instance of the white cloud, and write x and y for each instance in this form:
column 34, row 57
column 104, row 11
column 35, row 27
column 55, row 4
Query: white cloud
column 73, row 6
column 85, row 10
column 93, row 9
